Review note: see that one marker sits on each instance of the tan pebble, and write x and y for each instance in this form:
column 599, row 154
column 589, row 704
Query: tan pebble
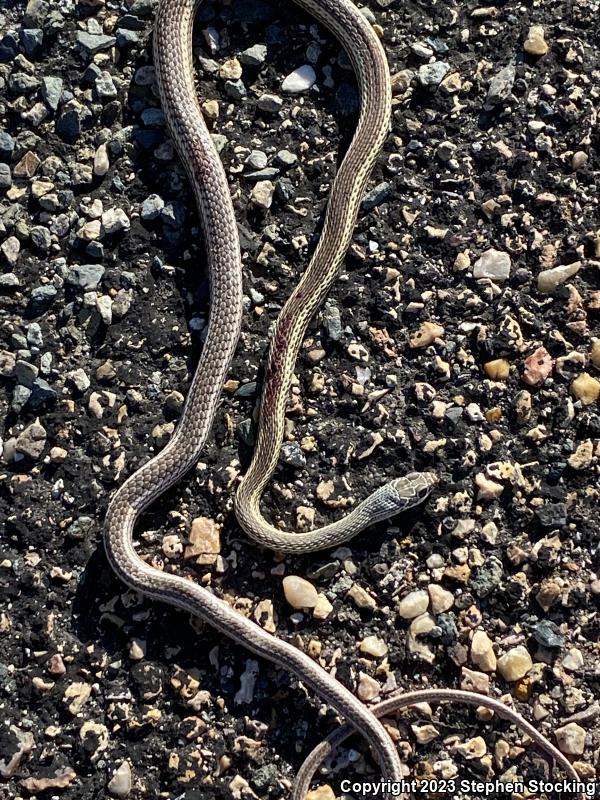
column 425, row 733
column 56, row 665
column 498, row 369
column 579, row 160
column 487, row 488
column 523, row 689
column 573, row 660
column 264, row 614
column 427, row 333
column 571, row 739
column 58, row 455
column 535, row 44
column 137, row 649
column 515, row 664
column 548, row 594
column 551, row 278
column 421, row 626
column 316, row 355
column 595, row 353
column 205, row 541
column 472, row 681
column 373, row 646
column 172, row 545
column 323, row 792
column 305, row 517
column 586, row 388
column 230, row 70
column 538, row 366
column 582, row 457
column 368, row 689
column 323, row 607
column 324, row 490
column 473, row 748
column 76, row 695
column 120, row 783
column 413, row 604
column 361, row 597
column 299, row 592
column 441, row 599
column 523, row 406
column 210, row 109
column 482, row 652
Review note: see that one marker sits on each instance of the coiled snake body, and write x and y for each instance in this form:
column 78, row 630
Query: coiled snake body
column 174, row 69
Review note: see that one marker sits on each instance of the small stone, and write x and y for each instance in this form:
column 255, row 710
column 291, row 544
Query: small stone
column 270, row 103
column 498, row 369
column 573, row 661
column 515, row 664
column 27, row 166
column 595, row 353
column 120, row 783
column 323, row 607
column 586, row 388
column 299, row 592
column 549, row 279
column 300, row 80
column 76, row 695
column 254, row 56
column 413, row 604
column 5, row 176
column 10, row 249
column 373, row 646
column 441, row 599
column 323, row 792
column 92, row 43
column 583, row 455
column 368, row 689
column 579, row 160
column 262, row 194
column 31, row 441
column 433, row 74
column 205, row 541
column 500, row 87
column 115, row 220
column 493, row 264
column 571, row 739
column 482, row 652
column 426, row 335
column 473, row 748
column 151, row 207
column 535, row 44
column 79, row 380
column 538, row 367
column 487, row 488
column 361, row 598
column 51, row 91
column 101, row 162
column 472, row 681
column 86, row 276
column 231, row 70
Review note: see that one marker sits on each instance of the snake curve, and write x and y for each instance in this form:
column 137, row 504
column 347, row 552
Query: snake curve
column 174, row 70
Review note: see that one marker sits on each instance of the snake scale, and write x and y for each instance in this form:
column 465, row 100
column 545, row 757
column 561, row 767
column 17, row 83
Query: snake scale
column 175, row 77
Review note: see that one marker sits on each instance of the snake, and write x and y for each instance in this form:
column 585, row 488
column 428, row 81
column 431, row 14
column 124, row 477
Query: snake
column 172, row 53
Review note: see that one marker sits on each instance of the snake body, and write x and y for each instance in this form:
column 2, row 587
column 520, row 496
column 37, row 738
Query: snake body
column 173, row 62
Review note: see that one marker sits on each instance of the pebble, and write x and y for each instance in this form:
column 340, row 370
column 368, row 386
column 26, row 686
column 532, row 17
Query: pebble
column 322, row 608
column 498, row 369
column 571, row 739
column 441, row 599
column 426, row 335
column 5, row 176
column 10, row 249
column 262, row 194
column 586, row 388
column 413, row 604
column 493, row 264
column 151, row 207
column 27, row 166
column 92, row 43
column 300, row 80
column 434, row 73
column 535, row 44
column 270, row 103
column 32, row 441
column 101, row 161
column 500, row 87
column 86, row 276
column 299, row 592
column 515, row 664
column 120, row 783
column 323, row 792
column 115, row 220
column 230, row 70
column 205, row 541
column 482, row 652
column 254, row 56
column 549, row 279
column 368, row 689
column 538, row 366
column 373, row 646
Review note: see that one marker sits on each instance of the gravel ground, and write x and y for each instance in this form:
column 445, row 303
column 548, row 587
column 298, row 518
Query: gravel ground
column 462, row 337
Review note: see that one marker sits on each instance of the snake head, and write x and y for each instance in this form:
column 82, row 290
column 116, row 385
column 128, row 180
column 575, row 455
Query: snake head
column 413, row 488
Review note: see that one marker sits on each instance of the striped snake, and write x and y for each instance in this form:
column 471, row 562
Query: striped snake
column 175, row 76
